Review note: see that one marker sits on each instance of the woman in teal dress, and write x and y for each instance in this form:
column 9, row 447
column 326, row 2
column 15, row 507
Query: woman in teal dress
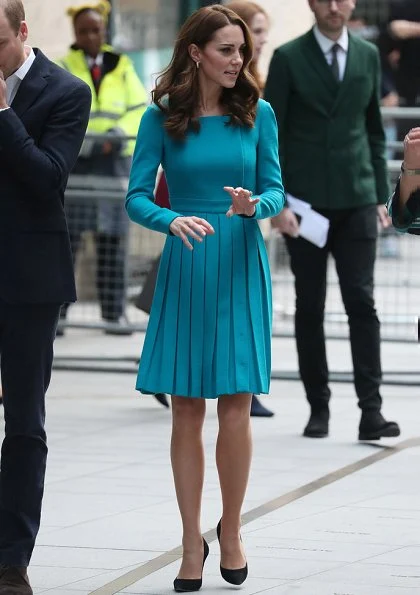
column 209, row 333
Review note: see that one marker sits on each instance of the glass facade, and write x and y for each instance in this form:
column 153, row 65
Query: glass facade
column 372, row 12
column 143, row 24
column 146, row 30
column 188, row 6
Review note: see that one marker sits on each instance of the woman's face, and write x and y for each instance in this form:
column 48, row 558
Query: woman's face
column 259, row 30
column 222, row 58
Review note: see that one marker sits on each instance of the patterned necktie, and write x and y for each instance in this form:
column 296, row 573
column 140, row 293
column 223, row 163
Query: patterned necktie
column 96, row 74
column 334, row 64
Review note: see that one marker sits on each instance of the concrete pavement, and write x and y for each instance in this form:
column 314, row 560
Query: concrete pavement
column 321, row 517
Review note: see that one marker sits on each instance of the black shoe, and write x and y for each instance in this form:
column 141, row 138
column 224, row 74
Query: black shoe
column 317, row 426
column 162, row 399
column 14, row 581
column 258, row 409
column 233, row 576
column 373, row 426
column 185, row 585
column 118, row 327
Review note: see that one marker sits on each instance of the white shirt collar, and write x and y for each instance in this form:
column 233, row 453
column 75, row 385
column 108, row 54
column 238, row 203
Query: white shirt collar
column 14, row 80
column 326, row 43
column 99, row 60
column 24, row 69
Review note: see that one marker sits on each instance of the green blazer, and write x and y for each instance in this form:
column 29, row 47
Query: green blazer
column 331, row 138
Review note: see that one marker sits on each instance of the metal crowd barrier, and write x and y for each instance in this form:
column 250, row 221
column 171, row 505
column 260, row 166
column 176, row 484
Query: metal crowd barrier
column 397, row 273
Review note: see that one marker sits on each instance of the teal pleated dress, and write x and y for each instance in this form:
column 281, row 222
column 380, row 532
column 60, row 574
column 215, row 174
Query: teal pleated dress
column 209, row 332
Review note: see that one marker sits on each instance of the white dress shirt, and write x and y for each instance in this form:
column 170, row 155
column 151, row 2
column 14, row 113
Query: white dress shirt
column 99, row 60
column 14, row 81
column 326, row 44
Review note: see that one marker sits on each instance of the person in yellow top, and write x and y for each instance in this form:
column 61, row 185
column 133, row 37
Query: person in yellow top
column 119, row 100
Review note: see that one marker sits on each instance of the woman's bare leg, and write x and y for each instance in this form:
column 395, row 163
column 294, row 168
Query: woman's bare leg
column 187, row 456
column 233, row 458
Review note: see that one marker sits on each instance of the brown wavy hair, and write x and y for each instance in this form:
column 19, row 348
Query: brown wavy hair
column 247, row 11
column 177, row 89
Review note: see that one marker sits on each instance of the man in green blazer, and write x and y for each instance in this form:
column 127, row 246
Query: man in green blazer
column 324, row 89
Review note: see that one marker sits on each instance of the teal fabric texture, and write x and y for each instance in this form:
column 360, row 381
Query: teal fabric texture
column 209, row 332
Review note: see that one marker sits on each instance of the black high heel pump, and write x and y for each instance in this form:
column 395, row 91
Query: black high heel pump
column 186, row 585
column 233, row 576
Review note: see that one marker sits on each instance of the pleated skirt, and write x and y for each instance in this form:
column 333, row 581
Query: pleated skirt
column 209, row 332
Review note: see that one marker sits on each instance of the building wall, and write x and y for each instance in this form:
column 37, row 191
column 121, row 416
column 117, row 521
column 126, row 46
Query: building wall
column 288, row 18
column 50, row 27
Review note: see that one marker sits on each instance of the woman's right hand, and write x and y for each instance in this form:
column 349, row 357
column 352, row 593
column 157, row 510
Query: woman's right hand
column 193, row 227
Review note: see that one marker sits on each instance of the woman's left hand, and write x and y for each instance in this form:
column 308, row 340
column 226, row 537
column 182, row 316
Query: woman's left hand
column 242, row 203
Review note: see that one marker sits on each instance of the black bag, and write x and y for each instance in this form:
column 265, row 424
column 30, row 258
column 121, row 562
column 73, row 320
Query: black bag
column 145, row 298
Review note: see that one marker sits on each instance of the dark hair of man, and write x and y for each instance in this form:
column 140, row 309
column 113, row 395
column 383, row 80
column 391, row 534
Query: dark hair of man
column 84, row 11
column 177, row 89
column 15, row 13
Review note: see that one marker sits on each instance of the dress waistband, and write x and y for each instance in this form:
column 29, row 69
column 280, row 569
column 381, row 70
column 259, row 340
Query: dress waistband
column 200, row 205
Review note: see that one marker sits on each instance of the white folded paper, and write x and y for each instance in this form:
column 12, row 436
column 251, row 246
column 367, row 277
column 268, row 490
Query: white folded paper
column 313, row 226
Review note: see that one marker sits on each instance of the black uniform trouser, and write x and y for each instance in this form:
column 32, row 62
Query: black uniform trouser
column 110, row 273
column 352, row 242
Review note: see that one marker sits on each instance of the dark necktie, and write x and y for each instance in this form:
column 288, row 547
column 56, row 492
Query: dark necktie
column 96, row 74
column 334, row 64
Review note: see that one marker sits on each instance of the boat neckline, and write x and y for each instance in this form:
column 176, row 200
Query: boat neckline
column 214, row 116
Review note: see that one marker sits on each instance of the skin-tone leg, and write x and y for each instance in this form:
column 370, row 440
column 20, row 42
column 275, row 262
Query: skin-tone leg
column 187, row 457
column 233, row 458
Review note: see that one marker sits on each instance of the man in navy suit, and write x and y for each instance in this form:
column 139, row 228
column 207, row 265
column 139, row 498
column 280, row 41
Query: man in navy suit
column 43, row 117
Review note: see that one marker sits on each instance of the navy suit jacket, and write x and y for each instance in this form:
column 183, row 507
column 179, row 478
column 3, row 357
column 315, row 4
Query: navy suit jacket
column 40, row 138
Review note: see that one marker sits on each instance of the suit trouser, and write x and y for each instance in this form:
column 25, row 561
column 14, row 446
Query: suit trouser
column 352, row 242
column 27, row 334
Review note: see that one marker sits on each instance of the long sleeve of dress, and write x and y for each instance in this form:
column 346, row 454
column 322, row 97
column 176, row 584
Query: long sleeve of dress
column 269, row 189
column 147, row 157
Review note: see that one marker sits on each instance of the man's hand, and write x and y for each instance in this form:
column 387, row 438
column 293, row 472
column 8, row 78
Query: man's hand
column 409, row 184
column 3, row 91
column 286, row 222
column 412, row 149
column 390, row 100
column 384, row 219
column 404, row 29
column 107, row 148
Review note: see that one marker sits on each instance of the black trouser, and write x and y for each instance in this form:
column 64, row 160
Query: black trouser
column 352, row 242
column 26, row 345
column 110, row 273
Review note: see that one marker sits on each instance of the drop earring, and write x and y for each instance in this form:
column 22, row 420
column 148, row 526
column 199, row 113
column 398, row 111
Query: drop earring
column 198, row 64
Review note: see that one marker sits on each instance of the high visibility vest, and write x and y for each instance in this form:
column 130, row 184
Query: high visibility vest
column 121, row 99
